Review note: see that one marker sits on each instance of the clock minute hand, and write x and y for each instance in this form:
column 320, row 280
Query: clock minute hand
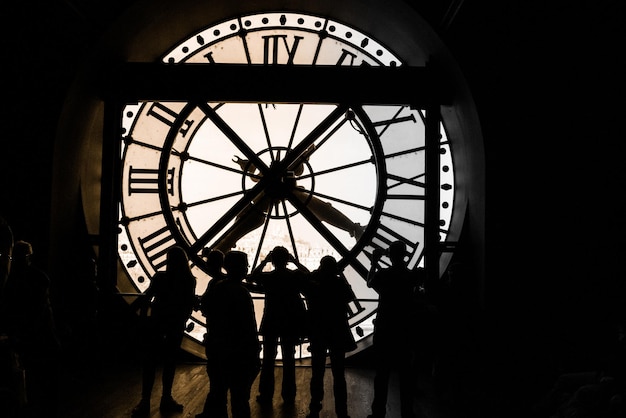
column 235, row 210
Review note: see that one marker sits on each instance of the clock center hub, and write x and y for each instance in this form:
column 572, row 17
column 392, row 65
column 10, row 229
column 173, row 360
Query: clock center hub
column 280, row 184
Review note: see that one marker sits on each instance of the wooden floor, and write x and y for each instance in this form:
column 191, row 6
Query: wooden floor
column 112, row 390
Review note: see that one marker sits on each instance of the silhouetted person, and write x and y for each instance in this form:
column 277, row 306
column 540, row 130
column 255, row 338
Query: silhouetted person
column 28, row 321
column 214, row 260
column 232, row 344
column 328, row 294
column 10, row 371
column 6, row 251
column 284, row 319
column 394, row 329
column 169, row 299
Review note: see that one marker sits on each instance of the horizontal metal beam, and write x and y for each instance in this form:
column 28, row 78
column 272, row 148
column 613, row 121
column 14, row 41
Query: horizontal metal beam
column 416, row 86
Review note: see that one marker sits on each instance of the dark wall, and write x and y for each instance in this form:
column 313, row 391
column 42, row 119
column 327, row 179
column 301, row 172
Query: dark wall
column 548, row 82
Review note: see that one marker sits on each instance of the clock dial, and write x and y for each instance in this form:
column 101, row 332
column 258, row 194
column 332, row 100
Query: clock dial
column 319, row 179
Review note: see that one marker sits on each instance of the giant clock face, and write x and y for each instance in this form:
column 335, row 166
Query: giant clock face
column 318, row 179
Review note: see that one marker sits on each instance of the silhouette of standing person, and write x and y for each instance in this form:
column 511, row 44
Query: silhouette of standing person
column 9, row 393
column 214, row 263
column 170, row 298
column 232, row 343
column 284, row 318
column 6, row 253
column 29, row 323
column 328, row 294
column 394, row 342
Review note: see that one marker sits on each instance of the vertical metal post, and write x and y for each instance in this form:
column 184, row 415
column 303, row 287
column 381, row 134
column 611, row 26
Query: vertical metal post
column 109, row 196
column 431, row 229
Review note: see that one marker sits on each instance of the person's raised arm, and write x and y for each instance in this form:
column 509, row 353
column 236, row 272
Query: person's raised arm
column 371, row 276
column 255, row 277
column 301, row 267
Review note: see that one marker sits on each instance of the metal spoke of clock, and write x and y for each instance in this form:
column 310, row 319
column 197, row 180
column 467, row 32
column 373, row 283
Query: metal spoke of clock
column 239, row 225
column 292, row 158
column 318, row 225
column 130, row 140
column 234, row 138
column 403, row 219
column 126, row 220
column 218, row 105
column 224, row 167
column 410, row 221
column 321, row 142
column 266, row 131
column 406, row 197
column 384, row 263
column 231, row 214
column 358, row 266
column 257, row 254
column 338, row 200
column 335, row 169
column 215, row 199
column 321, row 35
column 402, row 180
column 387, row 123
column 242, row 35
column 295, row 126
column 387, row 235
column 405, row 152
column 289, row 229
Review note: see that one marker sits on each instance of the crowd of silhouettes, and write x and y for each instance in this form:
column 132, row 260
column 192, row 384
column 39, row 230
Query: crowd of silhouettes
column 299, row 305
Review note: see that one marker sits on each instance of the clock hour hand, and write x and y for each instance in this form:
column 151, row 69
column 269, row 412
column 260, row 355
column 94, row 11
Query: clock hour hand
column 232, row 213
column 329, row 214
column 239, row 142
column 247, row 221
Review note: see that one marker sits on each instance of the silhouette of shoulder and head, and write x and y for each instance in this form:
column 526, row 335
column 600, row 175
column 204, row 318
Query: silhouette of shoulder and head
column 214, row 262
column 236, row 264
column 22, row 254
column 397, row 253
column 177, row 261
column 328, row 266
column 280, row 257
